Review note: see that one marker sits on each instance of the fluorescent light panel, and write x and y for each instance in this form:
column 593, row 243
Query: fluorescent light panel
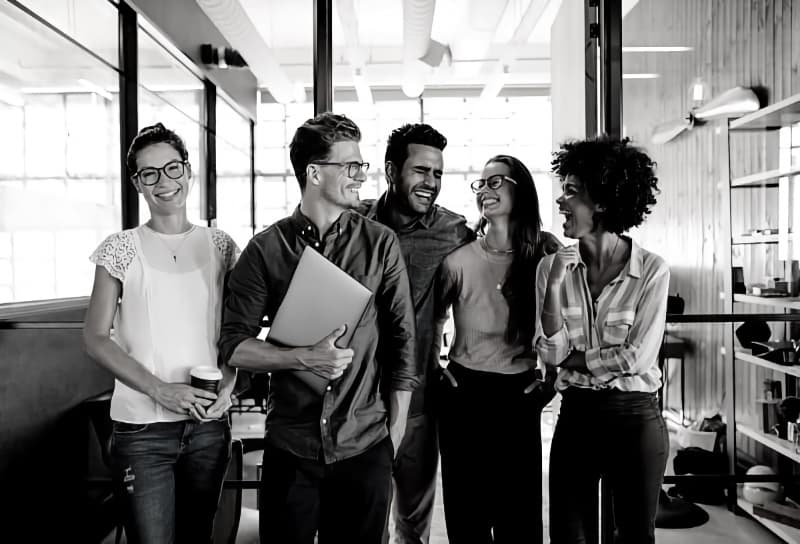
column 656, row 48
column 640, row 76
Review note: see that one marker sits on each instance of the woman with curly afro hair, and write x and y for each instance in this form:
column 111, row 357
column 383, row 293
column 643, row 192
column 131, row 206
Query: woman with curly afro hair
column 601, row 307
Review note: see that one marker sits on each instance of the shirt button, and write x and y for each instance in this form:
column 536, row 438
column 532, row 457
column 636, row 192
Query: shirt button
column 328, row 388
column 324, row 421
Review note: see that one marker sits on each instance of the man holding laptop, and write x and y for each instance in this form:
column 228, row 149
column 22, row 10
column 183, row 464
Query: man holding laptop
column 427, row 233
column 328, row 456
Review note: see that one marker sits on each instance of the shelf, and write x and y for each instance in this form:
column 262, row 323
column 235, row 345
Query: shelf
column 758, row 179
column 745, row 357
column 755, row 239
column 784, row 447
column 788, row 303
column 778, row 115
column 786, row 532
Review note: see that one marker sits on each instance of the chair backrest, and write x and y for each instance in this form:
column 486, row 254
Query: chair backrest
column 226, row 521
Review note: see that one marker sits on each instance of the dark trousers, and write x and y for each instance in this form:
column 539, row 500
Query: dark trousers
column 345, row 502
column 620, row 437
column 490, row 443
column 415, row 469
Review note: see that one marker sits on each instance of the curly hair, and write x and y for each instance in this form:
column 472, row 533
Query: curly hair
column 617, row 175
column 154, row 134
column 313, row 140
column 529, row 247
column 419, row 133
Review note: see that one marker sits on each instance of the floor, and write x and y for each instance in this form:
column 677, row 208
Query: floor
column 722, row 527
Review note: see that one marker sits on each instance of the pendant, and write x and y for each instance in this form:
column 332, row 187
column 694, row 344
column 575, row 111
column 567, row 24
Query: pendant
column 175, row 258
column 499, row 287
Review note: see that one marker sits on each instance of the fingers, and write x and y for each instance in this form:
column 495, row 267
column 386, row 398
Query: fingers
column 334, row 336
column 195, row 414
column 532, row 387
column 450, row 377
column 203, row 394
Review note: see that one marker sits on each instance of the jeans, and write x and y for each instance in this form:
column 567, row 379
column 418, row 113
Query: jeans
column 491, row 448
column 621, row 437
column 170, row 475
column 347, row 502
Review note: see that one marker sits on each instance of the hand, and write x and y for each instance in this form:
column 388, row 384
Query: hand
column 576, row 361
column 563, row 257
column 183, row 399
column 217, row 409
column 324, row 358
column 449, row 375
column 396, row 434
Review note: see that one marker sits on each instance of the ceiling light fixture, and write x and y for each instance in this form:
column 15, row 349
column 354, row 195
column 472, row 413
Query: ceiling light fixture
column 656, row 48
column 640, row 76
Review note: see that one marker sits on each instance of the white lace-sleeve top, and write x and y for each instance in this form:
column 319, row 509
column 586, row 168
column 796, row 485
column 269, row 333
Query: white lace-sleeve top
column 169, row 313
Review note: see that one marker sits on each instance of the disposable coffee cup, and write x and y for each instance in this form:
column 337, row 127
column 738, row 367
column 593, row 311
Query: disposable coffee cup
column 206, row 378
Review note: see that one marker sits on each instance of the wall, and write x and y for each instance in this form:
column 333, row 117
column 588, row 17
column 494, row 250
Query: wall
column 735, row 42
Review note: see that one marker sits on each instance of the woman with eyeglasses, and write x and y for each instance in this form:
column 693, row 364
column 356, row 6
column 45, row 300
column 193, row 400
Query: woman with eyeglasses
column 603, row 304
column 159, row 287
column 492, row 393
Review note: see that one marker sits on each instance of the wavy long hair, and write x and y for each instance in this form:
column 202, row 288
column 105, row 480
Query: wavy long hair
column 519, row 289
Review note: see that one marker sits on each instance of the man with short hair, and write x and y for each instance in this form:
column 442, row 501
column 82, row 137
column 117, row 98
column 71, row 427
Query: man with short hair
column 328, row 456
column 427, row 233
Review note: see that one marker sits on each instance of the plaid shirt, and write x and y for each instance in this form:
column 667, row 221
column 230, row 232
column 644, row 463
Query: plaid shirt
column 621, row 333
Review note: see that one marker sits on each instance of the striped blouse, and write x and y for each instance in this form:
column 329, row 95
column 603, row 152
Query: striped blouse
column 621, row 333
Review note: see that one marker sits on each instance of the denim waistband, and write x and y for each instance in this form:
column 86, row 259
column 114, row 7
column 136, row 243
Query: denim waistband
column 608, row 400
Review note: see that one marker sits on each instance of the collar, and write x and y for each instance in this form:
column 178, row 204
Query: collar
column 633, row 267
column 377, row 211
column 306, row 227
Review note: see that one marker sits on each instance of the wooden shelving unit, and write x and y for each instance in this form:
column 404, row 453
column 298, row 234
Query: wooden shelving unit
column 784, row 532
column 759, row 179
column 786, row 303
column 745, row 357
column 784, row 447
column 776, row 116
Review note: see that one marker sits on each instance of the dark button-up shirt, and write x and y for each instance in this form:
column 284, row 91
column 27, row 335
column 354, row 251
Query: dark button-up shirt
column 425, row 243
column 351, row 416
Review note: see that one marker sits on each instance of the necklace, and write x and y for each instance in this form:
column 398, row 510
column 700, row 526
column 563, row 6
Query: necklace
column 491, row 251
column 494, row 251
column 173, row 250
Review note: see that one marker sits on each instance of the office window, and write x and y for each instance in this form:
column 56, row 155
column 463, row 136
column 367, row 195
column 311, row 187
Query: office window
column 233, row 172
column 59, row 149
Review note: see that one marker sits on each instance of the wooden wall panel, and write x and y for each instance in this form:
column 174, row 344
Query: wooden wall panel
column 735, row 42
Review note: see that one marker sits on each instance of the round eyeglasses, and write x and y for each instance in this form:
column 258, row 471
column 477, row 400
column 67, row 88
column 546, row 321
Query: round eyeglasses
column 353, row 167
column 151, row 174
column 493, row 182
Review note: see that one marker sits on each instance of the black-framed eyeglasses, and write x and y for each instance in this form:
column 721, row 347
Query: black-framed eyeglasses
column 151, row 174
column 353, row 167
column 493, row 182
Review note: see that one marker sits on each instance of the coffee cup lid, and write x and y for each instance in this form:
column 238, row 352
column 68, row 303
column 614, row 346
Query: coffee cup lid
column 206, row 373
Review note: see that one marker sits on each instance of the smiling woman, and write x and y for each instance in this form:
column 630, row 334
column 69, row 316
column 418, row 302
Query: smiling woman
column 166, row 279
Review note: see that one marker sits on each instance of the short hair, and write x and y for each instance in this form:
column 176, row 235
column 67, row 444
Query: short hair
column 418, row 133
column 313, row 140
column 154, row 134
column 617, row 175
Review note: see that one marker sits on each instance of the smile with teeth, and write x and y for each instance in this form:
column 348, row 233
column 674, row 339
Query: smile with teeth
column 169, row 194
column 489, row 200
column 422, row 193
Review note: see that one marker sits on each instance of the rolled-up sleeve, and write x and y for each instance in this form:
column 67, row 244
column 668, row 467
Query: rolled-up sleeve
column 639, row 352
column 245, row 303
column 396, row 318
column 554, row 349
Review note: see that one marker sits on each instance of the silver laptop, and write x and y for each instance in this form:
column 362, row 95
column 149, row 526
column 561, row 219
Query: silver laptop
column 321, row 297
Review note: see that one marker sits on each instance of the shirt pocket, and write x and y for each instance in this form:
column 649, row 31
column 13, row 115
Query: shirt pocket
column 617, row 326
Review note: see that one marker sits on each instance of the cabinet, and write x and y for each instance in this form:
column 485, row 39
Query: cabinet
column 770, row 249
